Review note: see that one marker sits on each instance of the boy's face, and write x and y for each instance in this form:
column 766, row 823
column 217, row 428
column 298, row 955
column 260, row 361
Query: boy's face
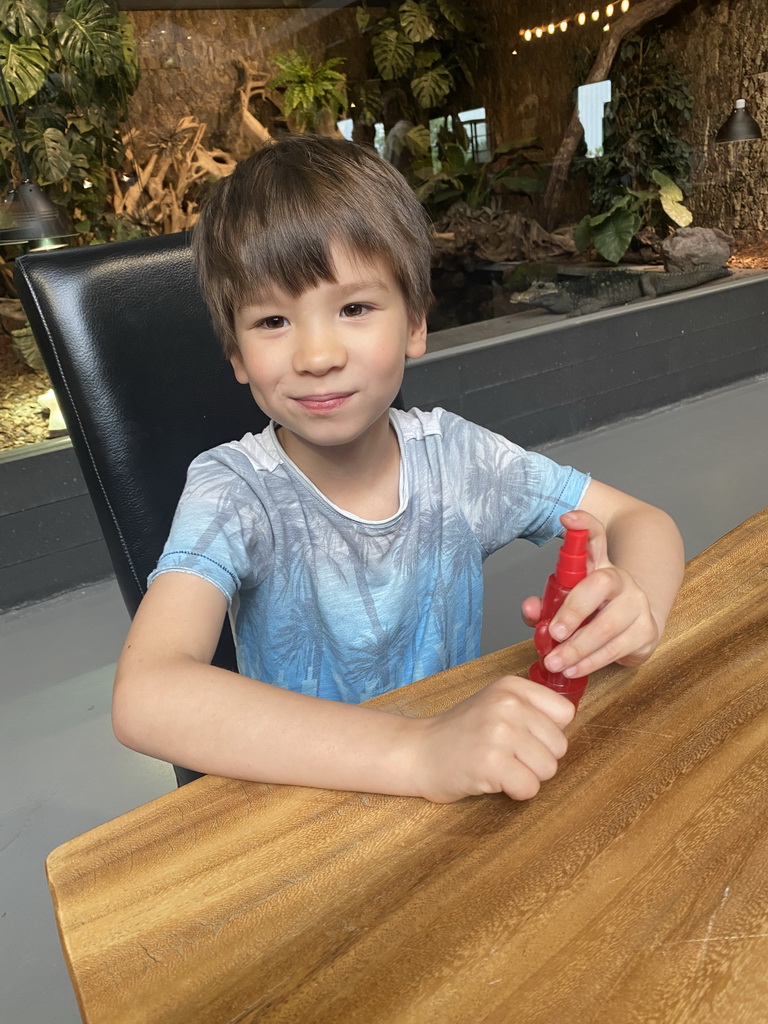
column 327, row 364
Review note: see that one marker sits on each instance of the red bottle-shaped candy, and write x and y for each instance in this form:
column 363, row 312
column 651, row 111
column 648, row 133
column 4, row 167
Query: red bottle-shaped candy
column 571, row 568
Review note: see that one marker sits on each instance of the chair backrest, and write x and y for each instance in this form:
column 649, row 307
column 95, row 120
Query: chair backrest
column 142, row 384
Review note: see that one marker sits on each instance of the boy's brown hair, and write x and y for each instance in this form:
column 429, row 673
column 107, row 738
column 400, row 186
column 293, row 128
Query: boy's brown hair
column 274, row 219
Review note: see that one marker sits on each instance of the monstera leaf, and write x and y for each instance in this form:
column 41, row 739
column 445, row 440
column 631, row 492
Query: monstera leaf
column 25, row 67
column 89, row 36
column 454, row 11
column 23, row 17
column 393, row 54
column 432, row 86
column 49, row 150
column 416, row 21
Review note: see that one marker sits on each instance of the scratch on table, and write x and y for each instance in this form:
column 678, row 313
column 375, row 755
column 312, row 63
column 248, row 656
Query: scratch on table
column 629, row 728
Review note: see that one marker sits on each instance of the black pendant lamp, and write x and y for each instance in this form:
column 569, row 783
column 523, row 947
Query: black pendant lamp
column 26, row 212
column 739, row 126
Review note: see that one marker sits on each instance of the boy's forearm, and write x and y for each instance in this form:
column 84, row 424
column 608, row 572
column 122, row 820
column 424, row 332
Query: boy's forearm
column 645, row 541
column 221, row 723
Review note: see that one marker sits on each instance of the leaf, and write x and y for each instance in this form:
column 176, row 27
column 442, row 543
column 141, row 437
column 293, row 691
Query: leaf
column 667, row 186
column 582, row 234
column 418, row 140
column 392, row 53
column 455, row 12
column 432, row 86
column 363, row 18
column 50, row 152
column 89, row 36
column 612, row 237
column 525, row 184
column 25, row 67
column 676, row 212
column 23, row 17
column 416, row 21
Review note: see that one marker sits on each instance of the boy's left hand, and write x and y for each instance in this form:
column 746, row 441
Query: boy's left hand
column 623, row 629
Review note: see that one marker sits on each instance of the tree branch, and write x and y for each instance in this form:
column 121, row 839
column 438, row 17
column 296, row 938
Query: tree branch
column 634, row 19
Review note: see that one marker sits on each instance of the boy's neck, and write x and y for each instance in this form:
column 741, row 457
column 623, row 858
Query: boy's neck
column 362, row 477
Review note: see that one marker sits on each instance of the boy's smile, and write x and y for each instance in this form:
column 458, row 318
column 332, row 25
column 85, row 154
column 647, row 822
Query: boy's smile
column 328, row 363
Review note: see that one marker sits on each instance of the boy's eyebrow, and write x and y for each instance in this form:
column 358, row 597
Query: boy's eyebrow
column 269, row 298
column 362, row 285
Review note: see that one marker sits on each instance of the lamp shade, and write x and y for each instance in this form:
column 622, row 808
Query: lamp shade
column 27, row 215
column 739, row 126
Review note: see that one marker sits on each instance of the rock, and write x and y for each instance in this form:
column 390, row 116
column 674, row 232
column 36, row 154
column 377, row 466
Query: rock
column 688, row 248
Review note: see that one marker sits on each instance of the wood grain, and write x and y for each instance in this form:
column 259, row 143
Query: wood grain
column 633, row 888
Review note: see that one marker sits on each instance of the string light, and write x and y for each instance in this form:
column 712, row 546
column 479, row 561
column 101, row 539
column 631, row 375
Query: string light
column 579, row 19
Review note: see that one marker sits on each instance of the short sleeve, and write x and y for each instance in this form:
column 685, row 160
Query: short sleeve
column 216, row 528
column 505, row 491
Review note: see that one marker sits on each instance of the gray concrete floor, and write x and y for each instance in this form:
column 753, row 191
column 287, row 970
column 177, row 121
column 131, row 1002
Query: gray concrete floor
column 705, row 461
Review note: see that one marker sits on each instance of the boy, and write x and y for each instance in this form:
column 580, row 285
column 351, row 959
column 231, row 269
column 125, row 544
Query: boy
column 348, row 538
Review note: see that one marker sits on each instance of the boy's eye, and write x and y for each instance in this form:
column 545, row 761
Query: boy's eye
column 354, row 309
column 272, row 323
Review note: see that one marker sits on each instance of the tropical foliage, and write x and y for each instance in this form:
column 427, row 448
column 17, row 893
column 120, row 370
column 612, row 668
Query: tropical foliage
column 512, row 170
column 427, row 50
column 611, row 232
column 651, row 103
column 70, row 75
column 313, row 95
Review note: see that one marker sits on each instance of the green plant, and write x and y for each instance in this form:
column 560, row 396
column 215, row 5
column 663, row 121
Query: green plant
column 511, row 170
column 70, row 76
column 313, row 94
column 650, row 105
column 426, row 49
column 612, row 232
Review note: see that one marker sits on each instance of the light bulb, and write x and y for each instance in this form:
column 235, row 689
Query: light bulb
column 624, row 6
column 581, row 18
column 595, row 15
column 527, row 35
column 550, row 29
column 563, row 26
column 539, row 33
column 609, row 11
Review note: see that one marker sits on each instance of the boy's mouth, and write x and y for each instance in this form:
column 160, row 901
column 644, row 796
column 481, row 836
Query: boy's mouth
column 323, row 403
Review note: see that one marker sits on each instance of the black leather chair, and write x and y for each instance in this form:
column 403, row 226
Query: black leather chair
column 142, row 384
column 143, row 387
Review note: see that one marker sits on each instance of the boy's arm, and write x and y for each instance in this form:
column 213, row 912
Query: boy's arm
column 636, row 567
column 170, row 703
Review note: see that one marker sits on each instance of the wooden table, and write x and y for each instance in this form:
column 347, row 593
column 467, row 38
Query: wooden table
column 633, row 888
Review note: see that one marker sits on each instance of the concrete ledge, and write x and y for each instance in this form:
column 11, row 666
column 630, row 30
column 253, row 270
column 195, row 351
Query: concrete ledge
column 556, row 377
column 534, row 378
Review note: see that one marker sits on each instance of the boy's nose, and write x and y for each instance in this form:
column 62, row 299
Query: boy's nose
column 318, row 352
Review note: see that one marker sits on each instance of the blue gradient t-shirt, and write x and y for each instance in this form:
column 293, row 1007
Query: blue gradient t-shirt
column 325, row 603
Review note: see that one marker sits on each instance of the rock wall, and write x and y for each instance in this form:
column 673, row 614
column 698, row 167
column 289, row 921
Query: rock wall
column 722, row 49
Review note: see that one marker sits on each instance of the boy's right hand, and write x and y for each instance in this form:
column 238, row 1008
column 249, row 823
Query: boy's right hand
column 506, row 738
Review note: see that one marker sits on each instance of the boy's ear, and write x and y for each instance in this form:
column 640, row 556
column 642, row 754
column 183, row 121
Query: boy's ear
column 239, row 367
column 417, row 339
